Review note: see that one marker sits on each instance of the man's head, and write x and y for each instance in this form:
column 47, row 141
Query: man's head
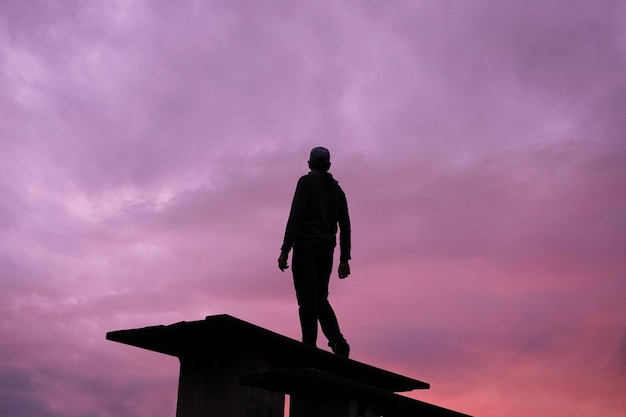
column 319, row 159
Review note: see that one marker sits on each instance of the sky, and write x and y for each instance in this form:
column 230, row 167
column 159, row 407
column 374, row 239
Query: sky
column 149, row 151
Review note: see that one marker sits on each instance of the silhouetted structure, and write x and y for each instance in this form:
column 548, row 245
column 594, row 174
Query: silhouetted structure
column 231, row 368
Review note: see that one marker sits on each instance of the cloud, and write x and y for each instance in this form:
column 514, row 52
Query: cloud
column 19, row 398
column 149, row 153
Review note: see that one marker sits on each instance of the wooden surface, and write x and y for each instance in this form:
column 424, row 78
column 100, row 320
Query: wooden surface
column 224, row 336
column 316, row 386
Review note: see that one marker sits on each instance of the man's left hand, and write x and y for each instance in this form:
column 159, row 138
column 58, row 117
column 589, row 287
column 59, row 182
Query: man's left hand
column 282, row 261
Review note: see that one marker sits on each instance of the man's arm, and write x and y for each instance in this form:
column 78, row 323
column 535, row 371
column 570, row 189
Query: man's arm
column 345, row 236
column 298, row 206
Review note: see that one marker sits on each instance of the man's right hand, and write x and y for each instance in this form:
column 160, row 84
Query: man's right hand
column 344, row 269
column 282, row 261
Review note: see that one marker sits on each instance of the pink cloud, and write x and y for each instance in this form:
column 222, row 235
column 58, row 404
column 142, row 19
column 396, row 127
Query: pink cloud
column 149, row 153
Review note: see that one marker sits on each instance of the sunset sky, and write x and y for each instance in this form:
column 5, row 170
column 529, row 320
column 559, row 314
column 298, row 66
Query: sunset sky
column 149, row 151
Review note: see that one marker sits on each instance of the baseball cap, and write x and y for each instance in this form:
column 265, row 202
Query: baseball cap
column 318, row 154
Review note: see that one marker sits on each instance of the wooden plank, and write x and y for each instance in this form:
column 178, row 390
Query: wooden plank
column 223, row 335
column 313, row 384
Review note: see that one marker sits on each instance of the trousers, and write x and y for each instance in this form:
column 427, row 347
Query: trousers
column 311, row 267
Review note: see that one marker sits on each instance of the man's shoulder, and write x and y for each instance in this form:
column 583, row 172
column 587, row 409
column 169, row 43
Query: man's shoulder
column 303, row 178
column 307, row 178
column 324, row 177
column 303, row 182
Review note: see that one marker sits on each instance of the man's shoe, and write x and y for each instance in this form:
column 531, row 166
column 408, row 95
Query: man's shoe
column 342, row 348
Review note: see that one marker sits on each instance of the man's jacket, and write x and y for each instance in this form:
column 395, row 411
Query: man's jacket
column 319, row 205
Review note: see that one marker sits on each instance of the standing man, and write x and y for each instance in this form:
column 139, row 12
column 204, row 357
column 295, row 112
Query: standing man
column 318, row 206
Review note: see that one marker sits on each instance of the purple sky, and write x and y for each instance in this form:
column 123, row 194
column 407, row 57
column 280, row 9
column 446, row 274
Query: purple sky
column 149, row 152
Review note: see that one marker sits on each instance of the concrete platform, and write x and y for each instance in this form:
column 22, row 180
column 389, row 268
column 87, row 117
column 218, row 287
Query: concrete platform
column 311, row 388
column 231, row 368
column 228, row 337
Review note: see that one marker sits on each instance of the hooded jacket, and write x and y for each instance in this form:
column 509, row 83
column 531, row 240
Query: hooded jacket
column 319, row 205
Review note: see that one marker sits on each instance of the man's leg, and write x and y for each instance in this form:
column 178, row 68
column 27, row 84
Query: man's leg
column 326, row 314
column 303, row 269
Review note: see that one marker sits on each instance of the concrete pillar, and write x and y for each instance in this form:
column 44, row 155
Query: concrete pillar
column 329, row 406
column 209, row 387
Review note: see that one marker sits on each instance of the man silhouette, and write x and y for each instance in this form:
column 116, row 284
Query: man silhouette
column 319, row 205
